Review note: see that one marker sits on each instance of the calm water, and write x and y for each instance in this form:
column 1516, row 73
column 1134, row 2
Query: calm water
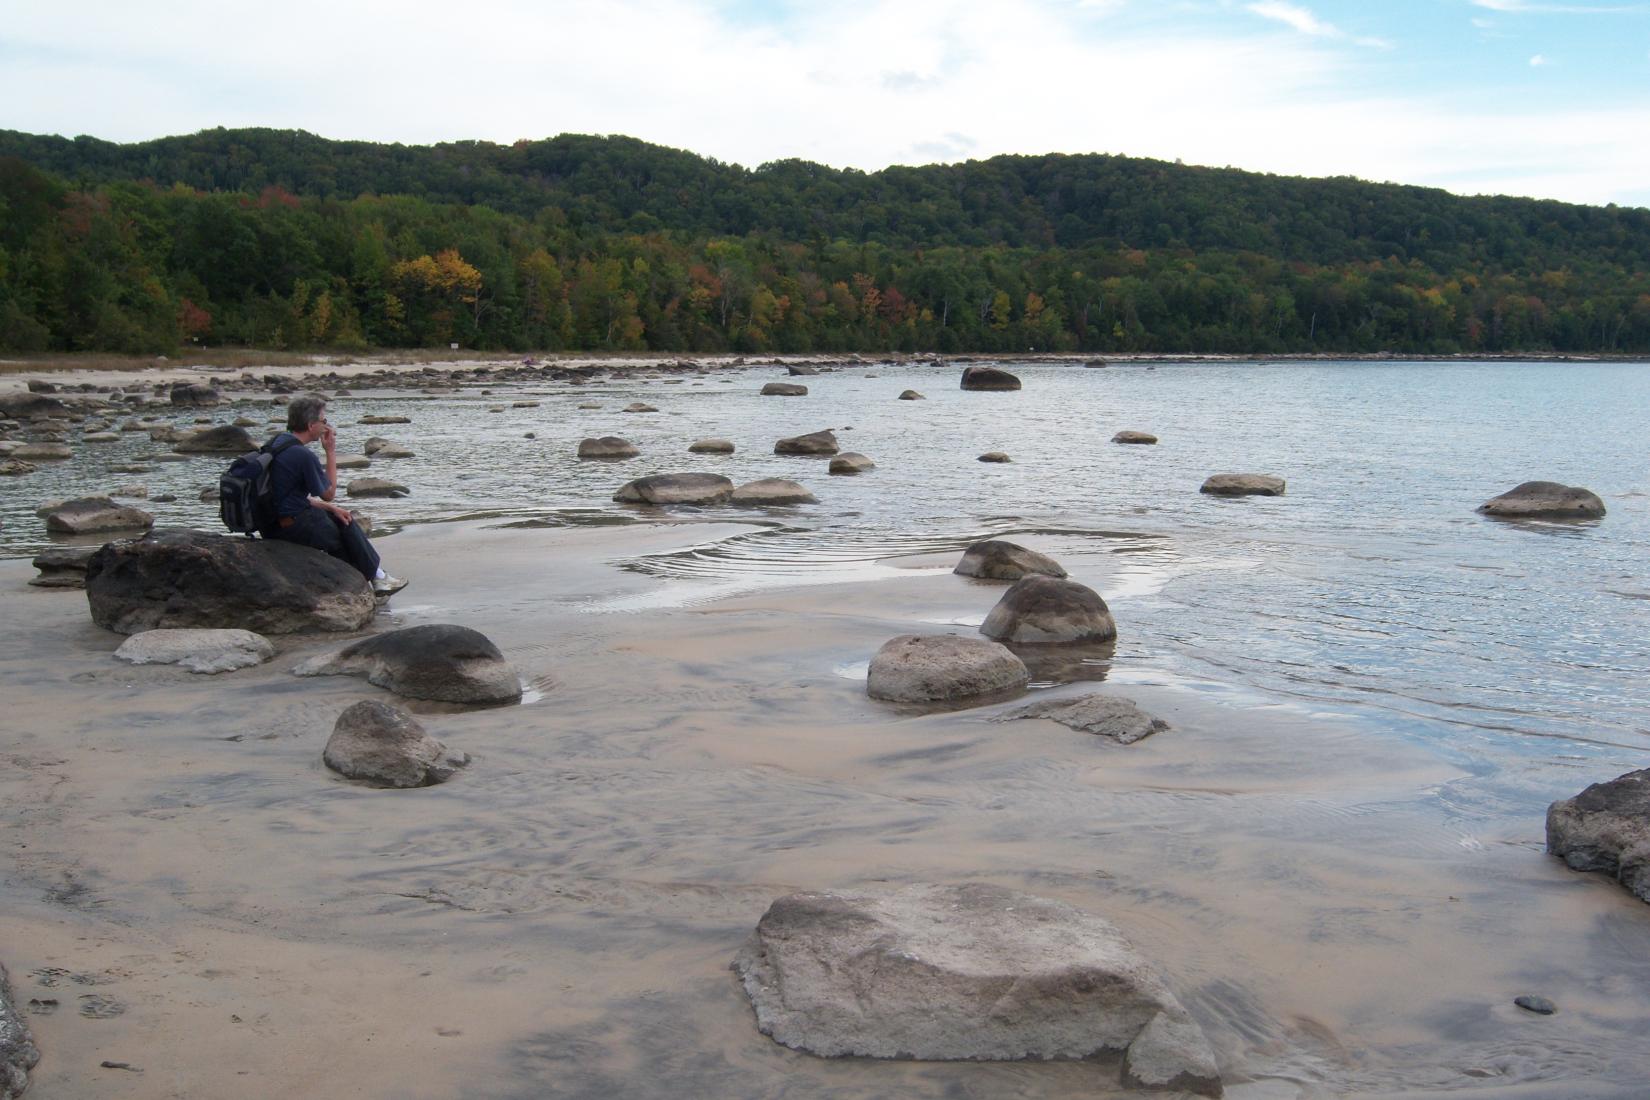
column 1372, row 587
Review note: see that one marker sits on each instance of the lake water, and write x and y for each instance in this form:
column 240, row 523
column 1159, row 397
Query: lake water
column 1372, row 585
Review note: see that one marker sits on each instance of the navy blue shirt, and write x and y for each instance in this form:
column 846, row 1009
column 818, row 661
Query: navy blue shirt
column 294, row 476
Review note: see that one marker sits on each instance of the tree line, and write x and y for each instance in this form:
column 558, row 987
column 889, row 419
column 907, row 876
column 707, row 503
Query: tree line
column 279, row 239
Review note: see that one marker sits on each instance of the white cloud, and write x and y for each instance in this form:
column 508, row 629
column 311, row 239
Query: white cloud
column 1304, row 21
column 1538, row 62
column 1526, row 7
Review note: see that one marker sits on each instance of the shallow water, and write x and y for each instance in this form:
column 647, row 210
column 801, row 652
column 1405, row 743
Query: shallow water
column 1372, row 583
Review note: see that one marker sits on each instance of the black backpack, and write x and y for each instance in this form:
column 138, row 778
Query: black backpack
column 244, row 490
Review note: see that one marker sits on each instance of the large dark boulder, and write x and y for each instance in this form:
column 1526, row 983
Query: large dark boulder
column 24, row 406
column 1039, row 610
column 675, row 489
column 441, row 661
column 224, row 439
column 970, row 972
column 607, row 446
column 1606, row 828
column 194, row 395
column 1001, row 560
column 814, row 443
column 384, row 746
column 18, row 1054
column 1544, row 499
column 177, row 578
column 784, row 389
column 988, row 378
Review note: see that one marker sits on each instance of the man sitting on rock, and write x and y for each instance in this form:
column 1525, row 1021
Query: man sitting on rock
column 302, row 495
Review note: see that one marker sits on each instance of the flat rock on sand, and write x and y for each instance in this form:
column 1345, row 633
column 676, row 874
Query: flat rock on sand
column 1548, row 499
column 772, row 490
column 1001, row 560
column 966, row 972
column 440, row 661
column 384, row 746
column 18, row 1054
column 1238, row 485
column 1110, row 716
column 936, row 668
column 177, row 578
column 675, row 489
column 1041, row 610
column 198, row 650
column 1606, row 828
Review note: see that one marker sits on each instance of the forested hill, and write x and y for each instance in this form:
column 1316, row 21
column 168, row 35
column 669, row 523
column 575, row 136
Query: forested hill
column 285, row 239
column 619, row 184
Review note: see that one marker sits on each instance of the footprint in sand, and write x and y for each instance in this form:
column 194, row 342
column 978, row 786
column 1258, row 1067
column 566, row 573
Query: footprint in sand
column 95, row 1006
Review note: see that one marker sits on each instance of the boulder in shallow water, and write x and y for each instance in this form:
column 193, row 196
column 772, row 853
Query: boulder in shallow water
column 1039, row 610
column 1134, row 437
column 375, row 487
column 42, row 452
column 710, row 447
column 675, row 489
column 608, row 446
column 772, row 490
column 813, row 443
column 1606, row 828
column 89, row 515
column 911, row 395
column 25, row 406
column 988, row 378
column 11, row 467
column 784, row 389
column 177, row 578
column 966, row 972
column 384, row 420
column 194, row 395
column 639, row 407
column 1001, row 560
column 198, row 650
column 1238, row 485
column 938, row 668
column 1544, row 500
column 18, row 1054
column 851, row 462
column 995, row 456
column 441, row 661
column 225, row 439
column 1109, row 716
column 385, row 746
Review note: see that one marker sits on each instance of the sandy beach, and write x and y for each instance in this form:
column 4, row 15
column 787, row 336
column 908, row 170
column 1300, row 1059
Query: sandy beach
column 191, row 894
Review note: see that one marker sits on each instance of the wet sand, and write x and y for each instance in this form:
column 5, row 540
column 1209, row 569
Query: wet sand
column 1344, row 914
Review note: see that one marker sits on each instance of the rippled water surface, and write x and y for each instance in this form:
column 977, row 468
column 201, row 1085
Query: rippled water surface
column 1371, row 584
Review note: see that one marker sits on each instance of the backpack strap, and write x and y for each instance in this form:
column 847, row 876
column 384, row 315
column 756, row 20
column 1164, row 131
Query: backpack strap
column 272, row 450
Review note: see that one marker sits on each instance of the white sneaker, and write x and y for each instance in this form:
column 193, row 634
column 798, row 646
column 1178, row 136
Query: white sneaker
column 387, row 585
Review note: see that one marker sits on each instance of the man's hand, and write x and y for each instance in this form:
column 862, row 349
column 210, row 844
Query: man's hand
column 329, row 438
column 342, row 515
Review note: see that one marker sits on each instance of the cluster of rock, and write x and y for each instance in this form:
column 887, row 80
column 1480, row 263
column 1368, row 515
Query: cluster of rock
column 18, row 1054
column 706, row 489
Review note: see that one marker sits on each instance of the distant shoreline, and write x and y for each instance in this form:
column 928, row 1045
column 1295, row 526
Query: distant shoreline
column 216, row 362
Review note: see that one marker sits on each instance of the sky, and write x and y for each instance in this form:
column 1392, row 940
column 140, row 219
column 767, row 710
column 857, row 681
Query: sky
column 1522, row 97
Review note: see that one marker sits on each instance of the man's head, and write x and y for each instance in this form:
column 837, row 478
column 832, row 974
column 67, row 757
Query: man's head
column 304, row 413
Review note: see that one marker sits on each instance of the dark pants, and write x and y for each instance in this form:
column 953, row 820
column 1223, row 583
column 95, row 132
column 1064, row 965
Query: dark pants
column 316, row 527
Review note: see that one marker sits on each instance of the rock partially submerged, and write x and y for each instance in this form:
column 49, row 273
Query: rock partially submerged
column 938, row 668
column 25, row 406
column 1544, row 500
column 194, row 395
column 814, row 443
column 966, row 972
column 375, row 487
column 1040, row 610
column 1110, row 716
column 1237, row 485
column 176, row 578
column 41, row 452
column 772, row 490
column 1000, row 560
column 675, row 489
column 18, row 1054
column 851, row 462
column 385, row 746
column 995, row 456
column 1134, row 437
column 608, row 446
column 911, row 395
column 784, row 389
column 440, row 661
column 1606, row 828
column 198, row 650
column 710, row 447
column 988, row 378
column 90, row 515
column 223, row 439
